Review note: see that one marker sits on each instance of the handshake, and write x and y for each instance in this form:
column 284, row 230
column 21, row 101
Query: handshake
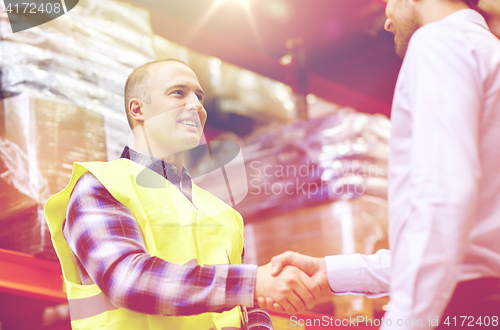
column 291, row 283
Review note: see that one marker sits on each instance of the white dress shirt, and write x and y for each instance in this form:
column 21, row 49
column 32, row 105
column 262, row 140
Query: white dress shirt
column 444, row 175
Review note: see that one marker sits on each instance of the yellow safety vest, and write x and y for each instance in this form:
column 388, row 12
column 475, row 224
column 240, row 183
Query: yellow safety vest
column 174, row 230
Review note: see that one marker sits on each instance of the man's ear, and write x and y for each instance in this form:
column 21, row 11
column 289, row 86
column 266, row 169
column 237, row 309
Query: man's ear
column 135, row 109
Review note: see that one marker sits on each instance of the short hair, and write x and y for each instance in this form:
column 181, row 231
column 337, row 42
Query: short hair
column 139, row 84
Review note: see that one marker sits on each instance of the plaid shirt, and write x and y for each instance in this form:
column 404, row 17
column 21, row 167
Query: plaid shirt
column 109, row 250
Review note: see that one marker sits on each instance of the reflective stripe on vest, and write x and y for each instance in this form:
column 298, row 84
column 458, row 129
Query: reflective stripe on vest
column 83, row 308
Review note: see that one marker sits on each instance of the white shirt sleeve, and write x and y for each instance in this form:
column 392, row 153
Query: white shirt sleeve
column 444, row 92
column 360, row 274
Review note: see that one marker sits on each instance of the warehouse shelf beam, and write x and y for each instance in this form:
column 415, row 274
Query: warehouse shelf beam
column 26, row 275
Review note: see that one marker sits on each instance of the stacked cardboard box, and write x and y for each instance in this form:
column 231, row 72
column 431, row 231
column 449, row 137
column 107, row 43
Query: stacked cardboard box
column 21, row 190
column 356, row 226
column 41, row 140
column 342, row 227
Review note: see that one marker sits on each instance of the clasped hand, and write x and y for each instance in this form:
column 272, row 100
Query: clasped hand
column 291, row 283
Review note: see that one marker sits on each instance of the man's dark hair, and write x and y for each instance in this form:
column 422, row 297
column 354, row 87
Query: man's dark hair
column 138, row 84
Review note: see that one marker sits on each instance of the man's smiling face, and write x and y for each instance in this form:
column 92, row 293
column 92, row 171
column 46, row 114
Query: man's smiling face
column 175, row 115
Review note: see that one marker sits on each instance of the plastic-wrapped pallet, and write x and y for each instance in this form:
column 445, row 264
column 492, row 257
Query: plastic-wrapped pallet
column 82, row 57
column 246, row 93
column 53, row 135
column 336, row 157
column 62, row 101
column 22, row 190
column 40, row 141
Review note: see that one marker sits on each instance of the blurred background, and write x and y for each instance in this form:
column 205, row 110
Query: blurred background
column 298, row 94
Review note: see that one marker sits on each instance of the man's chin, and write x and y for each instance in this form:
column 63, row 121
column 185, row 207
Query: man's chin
column 190, row 143
column 401, row 50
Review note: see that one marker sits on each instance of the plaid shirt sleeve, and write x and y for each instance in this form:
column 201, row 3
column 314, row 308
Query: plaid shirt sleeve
column 110, row 251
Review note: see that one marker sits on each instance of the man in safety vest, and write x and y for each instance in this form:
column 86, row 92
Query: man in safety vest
column 141, row 246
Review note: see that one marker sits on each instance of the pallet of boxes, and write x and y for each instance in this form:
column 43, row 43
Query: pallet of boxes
column 61, row 102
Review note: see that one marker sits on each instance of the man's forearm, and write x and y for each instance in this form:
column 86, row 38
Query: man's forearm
column 154, row 286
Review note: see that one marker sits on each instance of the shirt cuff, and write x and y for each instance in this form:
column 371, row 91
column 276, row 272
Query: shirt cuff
column 240, row 285
column 344, row 273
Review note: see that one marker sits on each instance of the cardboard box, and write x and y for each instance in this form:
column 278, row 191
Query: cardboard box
column 343, row 227
column 41, row 139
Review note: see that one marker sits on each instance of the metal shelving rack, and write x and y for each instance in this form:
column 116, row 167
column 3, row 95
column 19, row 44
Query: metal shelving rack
column 28, row 276
column 29, row 287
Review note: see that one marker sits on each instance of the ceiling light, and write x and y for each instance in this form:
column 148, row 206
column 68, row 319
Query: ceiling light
column 279, row 10
column 311, row 98
column 289, row 105
column 286, row 60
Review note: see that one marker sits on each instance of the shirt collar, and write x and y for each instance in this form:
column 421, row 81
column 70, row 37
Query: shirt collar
column 168, row 171
column 467, row 15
